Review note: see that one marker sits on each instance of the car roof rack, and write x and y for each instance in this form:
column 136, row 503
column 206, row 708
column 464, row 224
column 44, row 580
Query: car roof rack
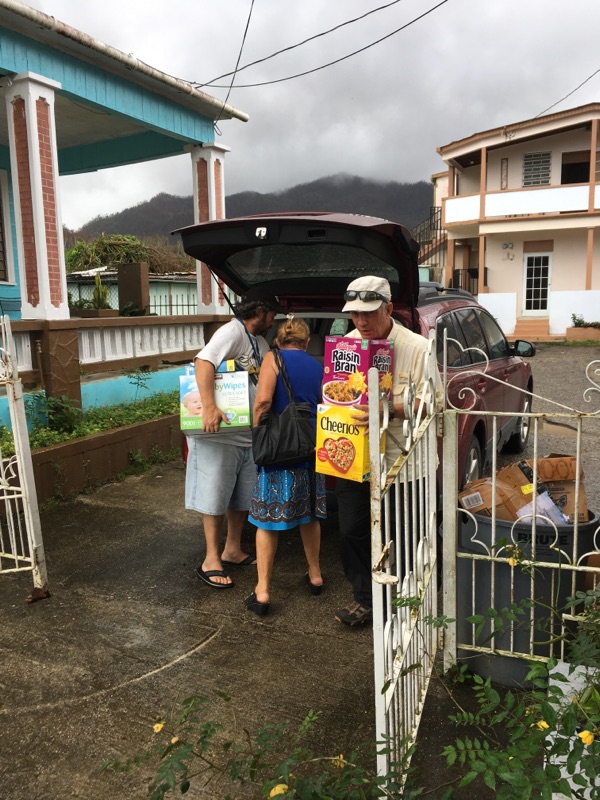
column 432, row 290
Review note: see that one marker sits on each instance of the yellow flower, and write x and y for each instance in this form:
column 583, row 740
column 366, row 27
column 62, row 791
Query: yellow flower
column 512, row 562
column 339, row 761
column 587, row 737
column 543, row 725
column 174, row 740
column 281, row 788
column 158, row 727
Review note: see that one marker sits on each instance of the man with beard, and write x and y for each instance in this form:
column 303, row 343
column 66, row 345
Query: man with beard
column 220, row 471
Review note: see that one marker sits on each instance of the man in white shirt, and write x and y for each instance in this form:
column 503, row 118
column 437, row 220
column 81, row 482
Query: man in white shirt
column 220, row 471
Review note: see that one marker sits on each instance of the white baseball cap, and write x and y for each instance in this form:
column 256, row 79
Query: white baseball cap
column 367, row 293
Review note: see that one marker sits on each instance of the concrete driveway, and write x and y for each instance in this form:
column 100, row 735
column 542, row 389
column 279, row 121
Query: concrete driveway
column 129, row 630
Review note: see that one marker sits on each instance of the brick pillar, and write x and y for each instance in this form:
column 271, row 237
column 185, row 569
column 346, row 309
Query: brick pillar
column 34, row 168
column 209, row 203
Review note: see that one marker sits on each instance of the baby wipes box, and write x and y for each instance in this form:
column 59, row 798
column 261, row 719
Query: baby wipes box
column 346, row 363
column 342, row 446
column 231, row 396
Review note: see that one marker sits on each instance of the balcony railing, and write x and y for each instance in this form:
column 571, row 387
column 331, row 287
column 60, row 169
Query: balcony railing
column 549, row 200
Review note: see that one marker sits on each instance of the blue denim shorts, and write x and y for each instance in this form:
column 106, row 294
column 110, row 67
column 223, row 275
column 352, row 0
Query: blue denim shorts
column 218, row 476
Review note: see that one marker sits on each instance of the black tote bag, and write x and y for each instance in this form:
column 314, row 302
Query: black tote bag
column 281, row 440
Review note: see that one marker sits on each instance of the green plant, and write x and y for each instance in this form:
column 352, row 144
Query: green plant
column 524, row 738
column 139, row 378
column 63, row 414
column 100, row 294
column 104, row 251
column 132, row 310
column 278, row 761
column 76, row 305
column 68, row 422
column 579, row 322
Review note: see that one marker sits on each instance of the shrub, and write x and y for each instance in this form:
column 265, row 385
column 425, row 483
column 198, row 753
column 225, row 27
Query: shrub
column 55, row 420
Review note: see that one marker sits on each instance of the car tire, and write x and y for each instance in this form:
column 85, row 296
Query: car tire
column 518, row 441
column 474, row 464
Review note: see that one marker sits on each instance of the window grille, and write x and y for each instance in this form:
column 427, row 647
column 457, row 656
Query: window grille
column 536, row 169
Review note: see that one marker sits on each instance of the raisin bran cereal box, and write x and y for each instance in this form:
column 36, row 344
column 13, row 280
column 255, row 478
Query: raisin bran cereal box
column 342, row 446
column 346, row 363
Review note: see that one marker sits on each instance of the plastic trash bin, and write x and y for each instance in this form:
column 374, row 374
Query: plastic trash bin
column 482, row 584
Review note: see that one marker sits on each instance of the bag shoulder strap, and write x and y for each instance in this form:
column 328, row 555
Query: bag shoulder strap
column 284, row 375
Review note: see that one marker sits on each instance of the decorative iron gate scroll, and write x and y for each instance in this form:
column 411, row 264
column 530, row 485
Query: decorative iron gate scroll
column 404, row 558
column 21, row 547
column 523, row 568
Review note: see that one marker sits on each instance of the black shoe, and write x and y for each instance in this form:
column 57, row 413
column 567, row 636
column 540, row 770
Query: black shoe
column 252, row 604
column 354, row 614
column 313, row 588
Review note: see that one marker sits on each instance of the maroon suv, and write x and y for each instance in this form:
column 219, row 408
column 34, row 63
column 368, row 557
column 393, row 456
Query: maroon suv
column 308, row 259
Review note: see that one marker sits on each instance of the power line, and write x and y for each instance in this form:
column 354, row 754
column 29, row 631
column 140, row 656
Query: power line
column 338, row 60
column 234, row 73
column 299, row 44
column 545, row 111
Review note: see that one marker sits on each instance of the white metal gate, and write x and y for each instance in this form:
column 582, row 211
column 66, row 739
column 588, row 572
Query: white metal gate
column 524, row 569
column 21, row 547
column 404, row 558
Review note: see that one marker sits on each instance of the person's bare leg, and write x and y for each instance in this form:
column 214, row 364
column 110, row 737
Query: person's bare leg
column 232, row 551
column 266, row 547
column 212, row 533
column 311, row 541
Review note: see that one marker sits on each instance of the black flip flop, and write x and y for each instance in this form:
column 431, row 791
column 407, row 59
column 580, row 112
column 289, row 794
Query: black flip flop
column 249, row 561
column 252, row 604
column 214, row 573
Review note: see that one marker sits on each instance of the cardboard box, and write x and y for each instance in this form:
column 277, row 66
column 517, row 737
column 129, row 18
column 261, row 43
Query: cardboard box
column 346, row 362
column 231, row 395
column 557, row 472
column 476, row 497
column 342, row 446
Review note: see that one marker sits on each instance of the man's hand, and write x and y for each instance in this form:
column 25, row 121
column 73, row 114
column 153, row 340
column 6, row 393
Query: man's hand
column 212, row 418
column 360, row 415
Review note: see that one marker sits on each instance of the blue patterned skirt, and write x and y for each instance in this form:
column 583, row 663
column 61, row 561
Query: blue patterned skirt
column 284, row 498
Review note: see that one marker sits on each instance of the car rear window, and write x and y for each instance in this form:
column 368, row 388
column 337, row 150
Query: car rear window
column 261, row 264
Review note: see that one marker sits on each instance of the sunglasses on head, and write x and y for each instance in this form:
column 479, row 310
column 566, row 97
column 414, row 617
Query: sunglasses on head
column 365, row 296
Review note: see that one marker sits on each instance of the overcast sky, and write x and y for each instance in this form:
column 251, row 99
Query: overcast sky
column 467, row 66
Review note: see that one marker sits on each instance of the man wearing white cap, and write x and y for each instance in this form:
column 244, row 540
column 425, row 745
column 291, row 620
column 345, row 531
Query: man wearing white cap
column 368, row 299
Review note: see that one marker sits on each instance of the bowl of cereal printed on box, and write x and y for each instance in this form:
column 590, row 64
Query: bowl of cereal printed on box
column 345, row 391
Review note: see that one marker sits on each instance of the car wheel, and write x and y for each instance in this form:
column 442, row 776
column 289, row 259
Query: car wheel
column 518, row 441
column 473, row 466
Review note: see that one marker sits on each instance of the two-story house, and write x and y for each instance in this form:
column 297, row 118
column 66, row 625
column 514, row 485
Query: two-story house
column 522, row 214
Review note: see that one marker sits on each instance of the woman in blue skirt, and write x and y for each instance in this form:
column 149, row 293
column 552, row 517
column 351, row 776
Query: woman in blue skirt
column 287, row 497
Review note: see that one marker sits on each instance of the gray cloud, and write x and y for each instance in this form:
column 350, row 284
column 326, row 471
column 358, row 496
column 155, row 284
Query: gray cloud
column 468, row 66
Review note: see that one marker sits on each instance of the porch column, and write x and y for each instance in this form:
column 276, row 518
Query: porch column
column 34, row 168
column 209, row 203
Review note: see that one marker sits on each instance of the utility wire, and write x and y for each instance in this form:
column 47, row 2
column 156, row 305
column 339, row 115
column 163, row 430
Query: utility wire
column 299, row 44
column 234, row 73
column 337, row 60
column 545, row 111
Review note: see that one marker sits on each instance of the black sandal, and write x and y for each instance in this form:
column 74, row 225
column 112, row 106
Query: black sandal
column 252, row 604
column 313, row 588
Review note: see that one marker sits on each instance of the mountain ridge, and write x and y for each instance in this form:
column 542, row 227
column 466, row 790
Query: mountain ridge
column 407, row 203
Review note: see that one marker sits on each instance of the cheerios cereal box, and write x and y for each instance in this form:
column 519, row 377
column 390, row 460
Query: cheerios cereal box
column 342, row 446
column 346, row 363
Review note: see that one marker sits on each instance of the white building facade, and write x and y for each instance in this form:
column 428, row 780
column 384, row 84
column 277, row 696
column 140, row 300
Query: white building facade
column 522, row 213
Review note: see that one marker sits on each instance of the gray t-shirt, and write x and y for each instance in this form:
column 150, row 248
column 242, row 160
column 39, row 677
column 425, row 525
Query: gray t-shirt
column 233, row 341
